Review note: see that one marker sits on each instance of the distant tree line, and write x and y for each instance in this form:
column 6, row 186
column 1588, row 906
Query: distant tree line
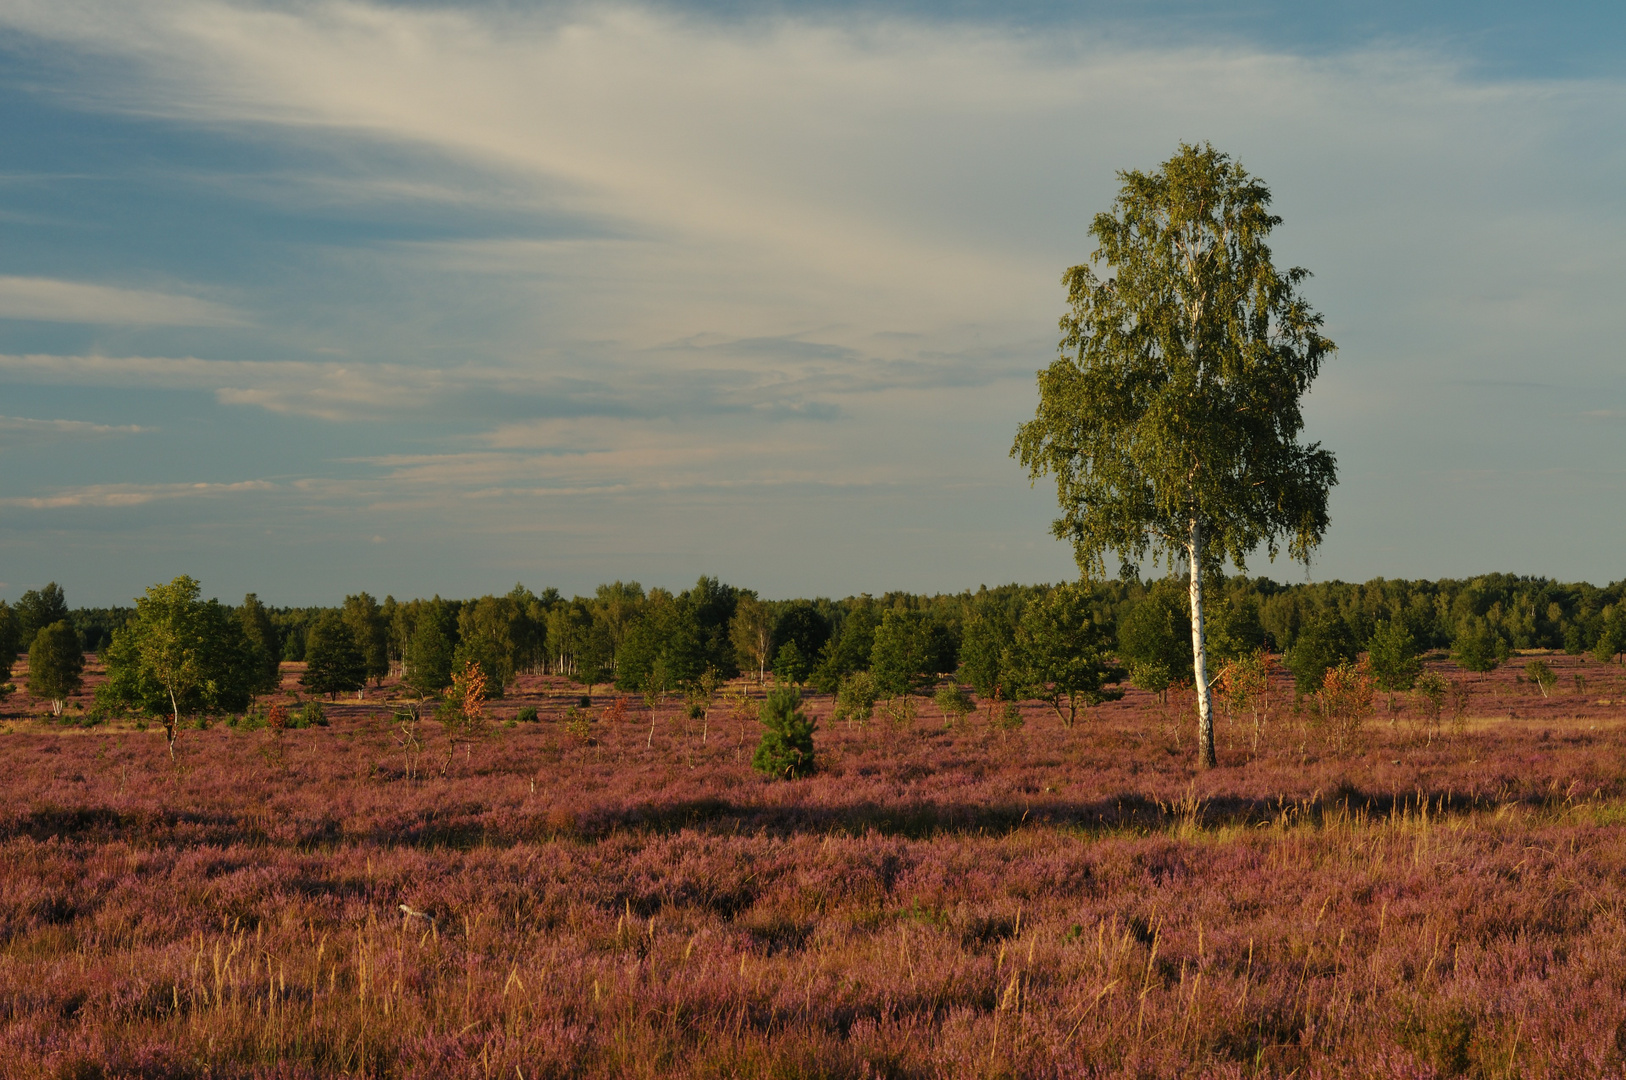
column 1067, row 644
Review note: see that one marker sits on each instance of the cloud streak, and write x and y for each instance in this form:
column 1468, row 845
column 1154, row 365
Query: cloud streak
column 49, row 300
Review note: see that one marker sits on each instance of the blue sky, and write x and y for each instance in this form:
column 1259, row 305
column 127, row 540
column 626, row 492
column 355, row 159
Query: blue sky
column 319, row 297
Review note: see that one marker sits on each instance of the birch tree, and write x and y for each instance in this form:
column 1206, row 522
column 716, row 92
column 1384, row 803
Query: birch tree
column 1171, row 418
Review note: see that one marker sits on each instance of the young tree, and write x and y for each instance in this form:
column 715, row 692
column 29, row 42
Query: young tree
column 1322, row 645
column 265, row 649
column 751, row 633
column 786, row 749
column 1171, row 418
column 1392, row 655
column 852, row 650
column 333, row 661
column 178, row 656
column 901, row 656
column 790, row 665
column 983, row 648
column 55, row 664
column 1062, row 655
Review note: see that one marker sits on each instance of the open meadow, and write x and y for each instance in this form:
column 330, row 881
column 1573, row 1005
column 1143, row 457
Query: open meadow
column 615, row 892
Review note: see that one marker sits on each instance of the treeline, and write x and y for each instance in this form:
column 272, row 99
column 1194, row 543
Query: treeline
column 641, row 639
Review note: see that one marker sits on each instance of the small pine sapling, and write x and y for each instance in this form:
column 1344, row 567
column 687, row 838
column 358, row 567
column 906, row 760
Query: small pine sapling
column 786, row 749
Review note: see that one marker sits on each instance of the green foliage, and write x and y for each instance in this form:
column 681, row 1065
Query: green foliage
column 855, row 700
column 800, row 623
column 901, row 659
column 1539, row 673
column 333, row 661
column 790, row 664
column 265, row 650
column 1477, row 646
column 1062, row 656
column 39, row 608
column 365, row 620
column 1392, row 653
column 1176, row 395
column 667, row 637
column 55, row 664
column 428, row 658
column 751, row 634
column 1154, row 639
column 1233, row 628
column 177, row 656
column 987, row 637
column 526, row 715
column 492, row 632
column 851, row 649
column 1322, row 645
column 954, row 703
column 309, row 715
column 786, row 749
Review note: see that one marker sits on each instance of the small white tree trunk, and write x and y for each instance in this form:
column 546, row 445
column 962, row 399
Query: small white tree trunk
column 1199, row 649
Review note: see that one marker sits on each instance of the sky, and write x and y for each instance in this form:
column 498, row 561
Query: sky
column 311, row 298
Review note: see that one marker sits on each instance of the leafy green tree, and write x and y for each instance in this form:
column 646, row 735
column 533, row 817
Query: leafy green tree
column 365, row 620
column 491, row 633
column 667, row 631
column 786, row 749
column 428, row 657
column 851, row 650
column 983, row 646
column 1476, row 646
column 1154, row 639
column 178, row 656
column 265, row 650
column 855, row 698
column 1611, row 636
column 55, row 664
column 790, row 666
column 1392, row 652
column 751, row 633
column 1171, row 418
column 334, row 662
column 901, row 657
column 1235, row 630
column 712, row 605
column 801, row 622
column 37, row 609
column 1543, row 676
column 1322, row 645
column 1062, row 656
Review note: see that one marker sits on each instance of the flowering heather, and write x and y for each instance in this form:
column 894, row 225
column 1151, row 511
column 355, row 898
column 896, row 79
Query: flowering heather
column 592, row 896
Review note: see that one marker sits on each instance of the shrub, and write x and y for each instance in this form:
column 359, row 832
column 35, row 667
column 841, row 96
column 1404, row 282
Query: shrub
column 786, row 749
column 1345, row 701
column 1476, row 647
column 1009, row 718
column 1430, row 692
column 310, row 715
column 1321, row 646
column 526, row 715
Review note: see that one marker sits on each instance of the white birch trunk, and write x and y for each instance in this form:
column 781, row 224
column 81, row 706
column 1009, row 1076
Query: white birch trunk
column 1199, row 659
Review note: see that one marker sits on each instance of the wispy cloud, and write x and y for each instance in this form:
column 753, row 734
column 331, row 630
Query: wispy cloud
column 50, row 300
column 43, row 429
column 119, row 495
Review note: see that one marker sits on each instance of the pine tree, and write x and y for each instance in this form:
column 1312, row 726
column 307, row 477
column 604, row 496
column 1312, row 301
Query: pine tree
column 786, row 749
column 334, row 662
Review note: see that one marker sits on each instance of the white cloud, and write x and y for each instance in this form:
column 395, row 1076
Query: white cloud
column 50, row 300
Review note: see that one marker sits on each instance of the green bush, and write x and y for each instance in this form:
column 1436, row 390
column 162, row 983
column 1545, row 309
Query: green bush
column 527, row 715
column 786, row 749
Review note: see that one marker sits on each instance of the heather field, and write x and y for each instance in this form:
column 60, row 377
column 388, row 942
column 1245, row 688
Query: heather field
column 617, row 893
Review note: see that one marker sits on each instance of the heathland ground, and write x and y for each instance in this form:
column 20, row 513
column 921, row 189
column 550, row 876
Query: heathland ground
column 614, row 892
